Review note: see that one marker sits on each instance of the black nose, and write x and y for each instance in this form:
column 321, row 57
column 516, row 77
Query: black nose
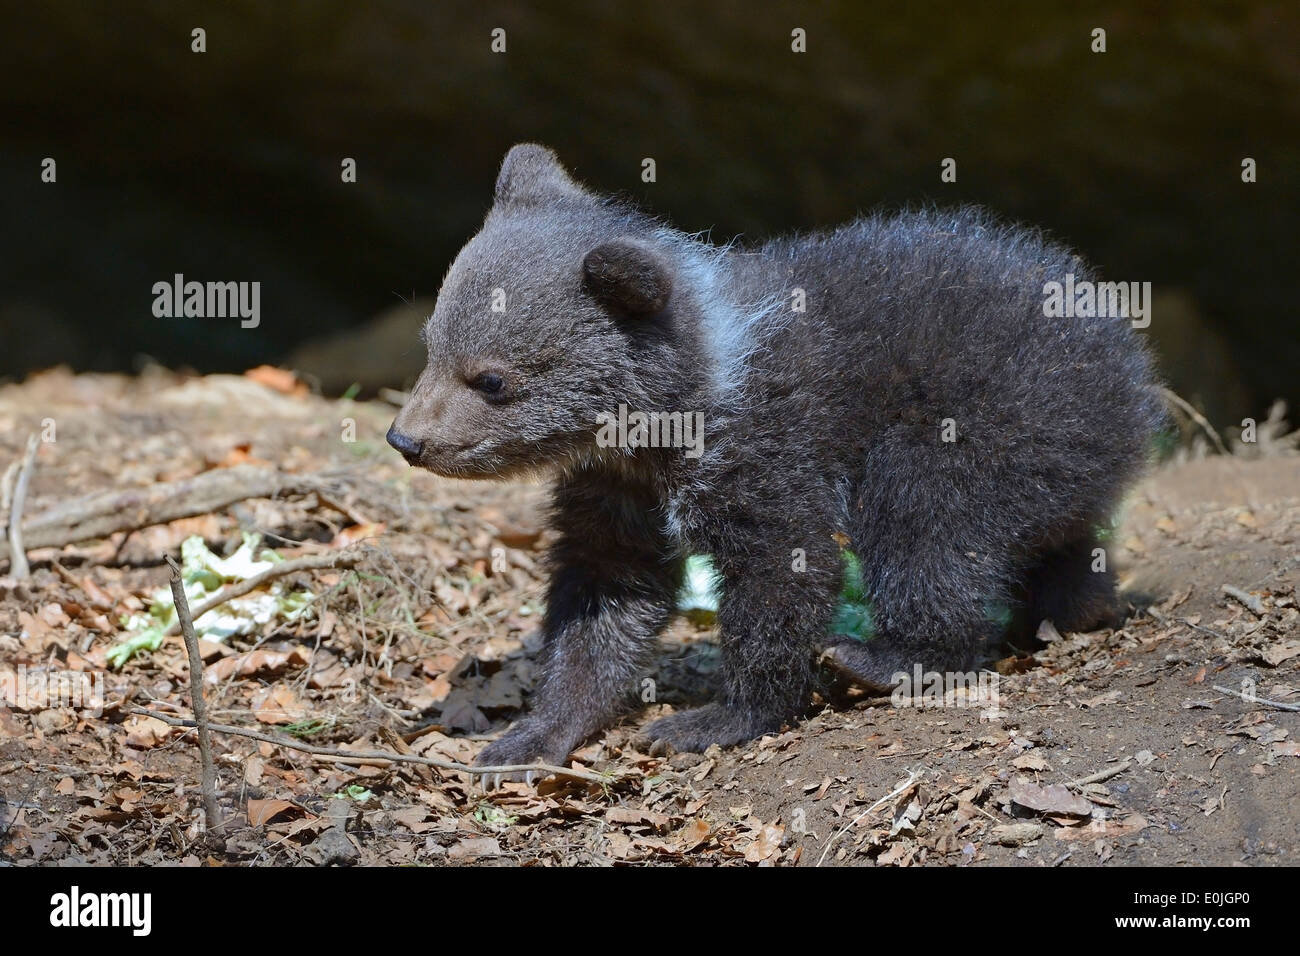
column 409, row 447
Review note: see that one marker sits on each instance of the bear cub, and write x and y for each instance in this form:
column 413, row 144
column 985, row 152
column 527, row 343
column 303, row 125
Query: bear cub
column 893, row 387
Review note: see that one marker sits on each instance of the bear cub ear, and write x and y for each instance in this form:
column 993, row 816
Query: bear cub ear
column 629, row 276
column 531, row 174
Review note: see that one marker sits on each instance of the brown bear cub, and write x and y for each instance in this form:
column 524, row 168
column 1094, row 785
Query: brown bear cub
column 894, row 385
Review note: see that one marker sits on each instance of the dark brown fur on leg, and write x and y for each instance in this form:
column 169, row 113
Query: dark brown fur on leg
column 1074, row 588
column 602, row 617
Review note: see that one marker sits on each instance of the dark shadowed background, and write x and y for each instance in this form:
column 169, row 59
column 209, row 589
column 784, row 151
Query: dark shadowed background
column 225, row 165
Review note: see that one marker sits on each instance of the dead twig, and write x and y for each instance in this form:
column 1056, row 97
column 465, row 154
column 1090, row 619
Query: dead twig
column 7, row 485
column 73, row 580
column 339, row 559
column 1190, row 411
column 1252, row 699
column 211, row 814
column 18, row 566
column 912, row 777
column 1245, row 598
column 105, row 513
column 354, row 756
column 1164, row 618
column 342, row 507
column 1101, row 775
column 18, row 807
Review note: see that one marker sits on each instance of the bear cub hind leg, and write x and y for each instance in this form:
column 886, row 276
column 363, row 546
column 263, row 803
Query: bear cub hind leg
column 935, row 606
column 1074, row 587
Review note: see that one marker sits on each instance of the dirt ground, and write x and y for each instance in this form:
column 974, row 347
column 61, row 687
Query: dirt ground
column 1111, row 748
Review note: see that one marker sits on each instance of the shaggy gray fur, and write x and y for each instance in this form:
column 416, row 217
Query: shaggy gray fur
column 821, row 427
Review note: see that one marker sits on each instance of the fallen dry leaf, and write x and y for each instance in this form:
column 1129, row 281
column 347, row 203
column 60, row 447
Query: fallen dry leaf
column 260, row 811
column 1101, row 699
column 146, row 732
column 474, row 848
column 693, row 834
column 1105, row 828
column 1030, row 761
column 623, row 816
column 415, row 819
column 766, row 845
column 899, row 854
column 358, row 532
column 1052, row 799
column 264, row 663
column 1280, row 653
column 279, row 379
column 277, row 705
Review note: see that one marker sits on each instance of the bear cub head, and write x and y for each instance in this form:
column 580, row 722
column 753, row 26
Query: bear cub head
column 563, row 306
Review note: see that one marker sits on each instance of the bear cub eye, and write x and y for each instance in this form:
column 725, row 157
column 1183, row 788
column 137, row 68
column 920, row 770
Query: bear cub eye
column 489, row 383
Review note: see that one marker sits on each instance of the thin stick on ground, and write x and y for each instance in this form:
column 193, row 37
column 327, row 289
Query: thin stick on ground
column 1190, row 410
column 7, row 486
column 912, row 777
column 342, row 507
column 1253, row 699
column 1164, row 618
column 197, row 703
column 18, row 566
column 1101, row 775
column 339, row 559
column 377, row 756
column 104, row 513
column 97, row 603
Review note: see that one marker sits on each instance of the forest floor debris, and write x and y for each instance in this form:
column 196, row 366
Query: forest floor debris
column 1169, row 740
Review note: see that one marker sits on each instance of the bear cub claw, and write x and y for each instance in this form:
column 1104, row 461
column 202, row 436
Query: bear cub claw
column 526, row 742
